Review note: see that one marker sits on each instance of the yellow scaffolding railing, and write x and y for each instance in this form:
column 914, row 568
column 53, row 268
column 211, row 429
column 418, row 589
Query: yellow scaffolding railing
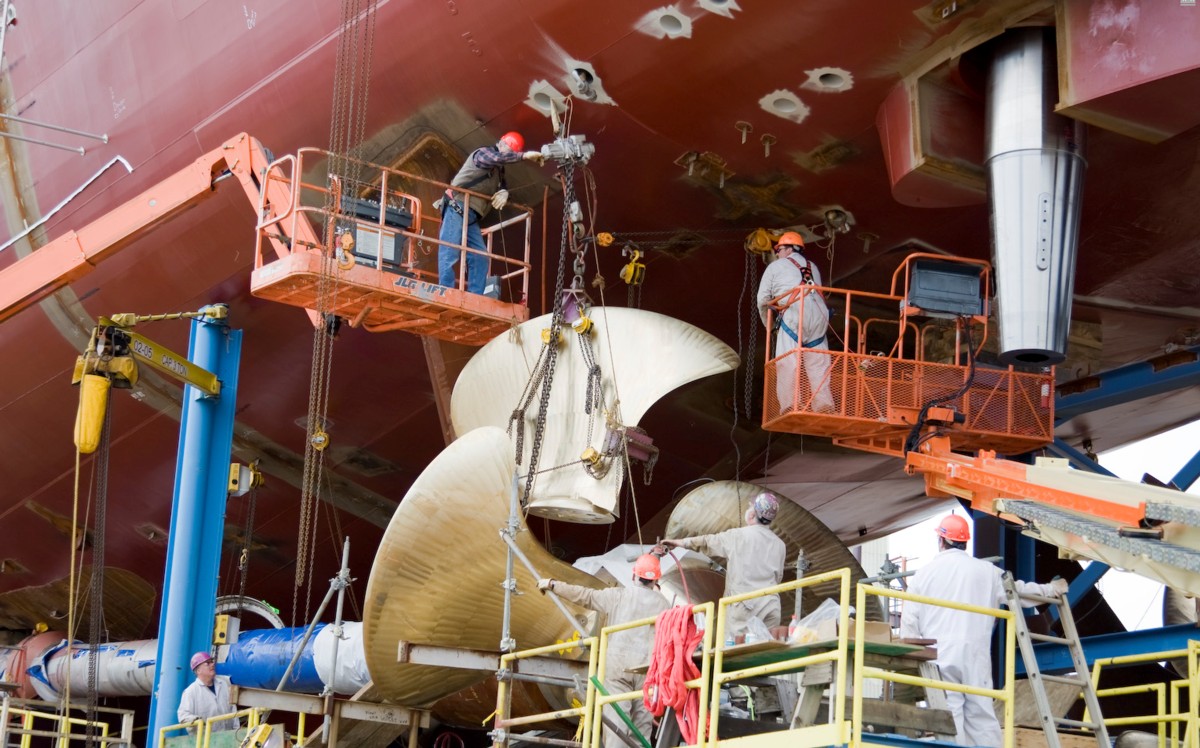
column 593, row 728
column 504, row 720
column 1161, row 718
column 862, row 672
column 1193, row 730
column 31, row 717
column 836, row 731
column 849, row 675
column 204, row 727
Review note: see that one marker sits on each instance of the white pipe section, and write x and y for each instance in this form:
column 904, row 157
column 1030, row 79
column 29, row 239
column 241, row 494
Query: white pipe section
column 122, row 669
column 127, row 668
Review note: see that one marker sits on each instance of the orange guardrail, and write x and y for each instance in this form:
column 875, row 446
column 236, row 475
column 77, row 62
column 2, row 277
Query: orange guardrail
column 365, row 248
column 894, row 360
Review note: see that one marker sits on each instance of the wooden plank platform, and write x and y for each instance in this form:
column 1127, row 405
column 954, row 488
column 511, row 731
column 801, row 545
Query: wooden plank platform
column 768, row 652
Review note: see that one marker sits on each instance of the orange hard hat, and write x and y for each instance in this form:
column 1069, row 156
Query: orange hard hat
column 647, row 567
column 789, row 238
column 954, row 528
column 513, row 140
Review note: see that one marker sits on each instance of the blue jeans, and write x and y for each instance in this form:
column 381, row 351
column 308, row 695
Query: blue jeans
column 477, row 265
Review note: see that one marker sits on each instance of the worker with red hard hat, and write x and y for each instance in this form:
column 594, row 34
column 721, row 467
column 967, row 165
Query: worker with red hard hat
column 964, row 640
column 626, row 649
column 207, row 696
column 791, row 269
column 483, row 171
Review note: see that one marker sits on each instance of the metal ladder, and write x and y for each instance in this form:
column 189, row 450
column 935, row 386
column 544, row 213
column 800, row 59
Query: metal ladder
column 1037, row 679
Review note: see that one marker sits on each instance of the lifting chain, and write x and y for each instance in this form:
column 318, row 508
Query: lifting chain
column 550, row 345
column 247, row 542
column 96, row 622
column 577, row 281
column 351, row 87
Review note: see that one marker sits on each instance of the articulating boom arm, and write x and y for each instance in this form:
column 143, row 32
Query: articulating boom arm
column 76, row 253
column 1146, row 529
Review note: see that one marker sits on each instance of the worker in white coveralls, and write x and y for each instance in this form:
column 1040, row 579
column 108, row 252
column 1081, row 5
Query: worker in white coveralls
column 964, row 640
column 789, row 270
column 629, row 648
column 754, row 557
column 207, row 696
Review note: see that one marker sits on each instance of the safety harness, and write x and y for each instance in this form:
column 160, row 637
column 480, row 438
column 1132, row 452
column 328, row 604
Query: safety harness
column 807, row 277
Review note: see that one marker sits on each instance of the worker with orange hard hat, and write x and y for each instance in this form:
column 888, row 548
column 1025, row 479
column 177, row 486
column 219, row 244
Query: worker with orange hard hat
column 964, row 640
column 626, row 649
column 791, row 269
column 483, row 171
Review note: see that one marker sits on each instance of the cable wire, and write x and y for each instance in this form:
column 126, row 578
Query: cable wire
column 914, row 438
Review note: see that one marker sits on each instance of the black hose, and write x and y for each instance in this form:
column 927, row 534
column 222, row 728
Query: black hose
column 914, row 440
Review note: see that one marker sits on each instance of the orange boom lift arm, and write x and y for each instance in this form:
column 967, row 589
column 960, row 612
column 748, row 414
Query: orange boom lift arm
column 76, row 253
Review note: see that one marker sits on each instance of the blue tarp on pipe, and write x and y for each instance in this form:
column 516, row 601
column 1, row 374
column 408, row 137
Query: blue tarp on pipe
column 260, row 658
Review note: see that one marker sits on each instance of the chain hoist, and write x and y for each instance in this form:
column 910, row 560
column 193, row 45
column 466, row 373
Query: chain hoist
column 570, row 305
column 351, row 87
column 551, row 339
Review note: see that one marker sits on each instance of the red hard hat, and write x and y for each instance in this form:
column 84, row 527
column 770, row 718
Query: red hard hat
column 647, row 567
column 200, row 658
column 790, row 237
column 513, row 140
column 954, row 528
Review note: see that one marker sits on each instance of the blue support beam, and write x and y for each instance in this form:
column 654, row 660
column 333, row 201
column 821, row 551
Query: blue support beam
column 197, row 519
column 1188, row 474
column 1125, row 384
column 1087, row 579
column 1077, row 458
column 1054, row 658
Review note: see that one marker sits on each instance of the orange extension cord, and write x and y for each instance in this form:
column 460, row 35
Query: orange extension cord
column 671, row 666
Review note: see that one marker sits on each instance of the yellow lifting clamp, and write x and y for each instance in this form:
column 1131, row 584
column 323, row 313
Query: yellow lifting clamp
column 263, row 736
column 583, row 325
column 345, row 258
column 546, row 337
column 575, row 305
column 319, row 440
column 243, row 478
column 634, row 271
column 112, row 359
column 761, row 242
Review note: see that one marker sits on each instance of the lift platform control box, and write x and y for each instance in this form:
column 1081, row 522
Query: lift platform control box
column 221, row 630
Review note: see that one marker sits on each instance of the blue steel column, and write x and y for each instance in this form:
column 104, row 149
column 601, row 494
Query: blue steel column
column 197, row 519
column 1188, row 474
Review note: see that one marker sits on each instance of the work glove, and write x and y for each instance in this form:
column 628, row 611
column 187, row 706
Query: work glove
column 535, row 156
column 1059, row 587
column 545, row 584
column 500, row 199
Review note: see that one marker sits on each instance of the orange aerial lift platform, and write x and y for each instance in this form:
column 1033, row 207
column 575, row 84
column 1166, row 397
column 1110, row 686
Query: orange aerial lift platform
column 906, row 383
column 325, row 247
column 325, row 243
